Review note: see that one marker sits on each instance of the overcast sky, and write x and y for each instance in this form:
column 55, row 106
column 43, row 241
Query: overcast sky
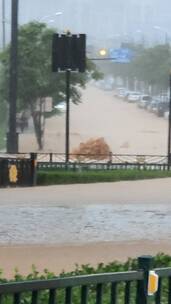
column 109, row 19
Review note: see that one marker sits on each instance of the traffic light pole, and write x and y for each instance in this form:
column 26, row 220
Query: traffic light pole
column 169, row 127
column 12, row 136
column 67, row 132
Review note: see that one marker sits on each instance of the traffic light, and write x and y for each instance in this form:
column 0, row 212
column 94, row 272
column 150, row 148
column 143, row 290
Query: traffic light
column 69, row 52
column 103, row 52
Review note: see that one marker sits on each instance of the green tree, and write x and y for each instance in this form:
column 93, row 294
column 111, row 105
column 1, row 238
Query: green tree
column 35, row 78
column 153, row 66
column 150, row 66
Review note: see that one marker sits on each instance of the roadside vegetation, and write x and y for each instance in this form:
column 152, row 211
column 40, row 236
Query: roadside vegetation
column 150, row 67
column 35, row 78
column 161, row 260
column 54, row 176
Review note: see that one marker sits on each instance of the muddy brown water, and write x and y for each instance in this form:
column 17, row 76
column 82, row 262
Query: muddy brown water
column 93, row 223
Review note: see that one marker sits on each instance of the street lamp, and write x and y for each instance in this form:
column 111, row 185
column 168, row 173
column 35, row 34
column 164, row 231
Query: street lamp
column 50, row 16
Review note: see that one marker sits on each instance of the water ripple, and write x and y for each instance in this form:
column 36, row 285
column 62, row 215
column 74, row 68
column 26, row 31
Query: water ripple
column 47, row 225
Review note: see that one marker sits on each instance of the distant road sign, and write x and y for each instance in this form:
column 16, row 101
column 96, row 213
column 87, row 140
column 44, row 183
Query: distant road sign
column 121, row 55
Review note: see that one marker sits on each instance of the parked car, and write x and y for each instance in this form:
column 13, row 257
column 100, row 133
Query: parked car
column 152, row 106
column 144, row 101
column 162, row 107
column 119, row 92
column 61, row 106
column 133, row 97
column 166, row 115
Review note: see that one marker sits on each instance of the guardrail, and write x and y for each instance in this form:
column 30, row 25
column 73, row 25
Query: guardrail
column 124, row 287
column 102, row 161
column 93, row 161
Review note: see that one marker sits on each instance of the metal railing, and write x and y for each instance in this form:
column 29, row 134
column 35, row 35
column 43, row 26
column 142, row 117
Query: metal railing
column 103, row 161
column 124, row 287
column 94, row 161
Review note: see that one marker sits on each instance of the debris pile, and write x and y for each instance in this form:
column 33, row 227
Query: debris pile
column 96, row 149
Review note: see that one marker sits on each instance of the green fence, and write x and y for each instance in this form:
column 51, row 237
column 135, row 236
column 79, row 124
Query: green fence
column 124, row 287
column 103, row 161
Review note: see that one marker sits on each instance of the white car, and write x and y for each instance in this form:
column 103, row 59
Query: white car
column 61, row 106
column 166, row 115
column 134, row 97
column 144, row 101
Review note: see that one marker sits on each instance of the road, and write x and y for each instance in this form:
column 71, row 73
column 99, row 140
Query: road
column 58, row 226
column 126, row 128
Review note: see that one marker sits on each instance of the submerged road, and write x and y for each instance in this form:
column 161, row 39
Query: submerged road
column 95, row 212
column 126, row 128
column 56, row 227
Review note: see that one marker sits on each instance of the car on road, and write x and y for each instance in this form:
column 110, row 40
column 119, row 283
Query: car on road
column 61, row 107
column 134, row 96
column 152, row 106
column 144, row 101
column 166, row 115
column 162, row 107
column 119, row 92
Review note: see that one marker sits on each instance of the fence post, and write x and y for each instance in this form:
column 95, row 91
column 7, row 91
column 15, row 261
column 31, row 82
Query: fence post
column 145, row 264
column 4, row 180
column 33, row 171
column 51, row 157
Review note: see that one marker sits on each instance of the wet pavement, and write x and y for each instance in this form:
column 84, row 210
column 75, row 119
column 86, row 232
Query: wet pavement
column 92, row 223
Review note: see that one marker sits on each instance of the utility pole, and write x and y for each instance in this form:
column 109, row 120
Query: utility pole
column 3, row 25
column 12, row 137
column 67, row 133
column 169, row 127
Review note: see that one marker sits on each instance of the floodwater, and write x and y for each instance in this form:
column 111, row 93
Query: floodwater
column 94, row 223
column 125, row 128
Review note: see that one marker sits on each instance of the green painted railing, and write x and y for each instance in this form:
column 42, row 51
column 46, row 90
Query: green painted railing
column 124, row 287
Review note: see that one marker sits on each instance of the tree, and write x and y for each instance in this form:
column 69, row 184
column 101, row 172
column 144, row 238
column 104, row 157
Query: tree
column 153, row 66
column 35, row 78
column 150, row 66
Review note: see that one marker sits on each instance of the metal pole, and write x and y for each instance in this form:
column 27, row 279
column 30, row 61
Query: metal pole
column 12, row 140
column 3, row 25
column 169, row 127
column 68, row 76
column 145, row 264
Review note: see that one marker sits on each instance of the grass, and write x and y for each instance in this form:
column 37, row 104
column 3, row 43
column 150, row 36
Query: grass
column 53, row 177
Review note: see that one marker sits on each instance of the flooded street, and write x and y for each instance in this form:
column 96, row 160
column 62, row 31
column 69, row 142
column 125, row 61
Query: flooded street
column 59, row 226
column 96, row 223
column 126, row 128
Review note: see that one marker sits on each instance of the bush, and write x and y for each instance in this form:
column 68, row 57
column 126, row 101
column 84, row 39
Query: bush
column 55, row 176
column 161, row 260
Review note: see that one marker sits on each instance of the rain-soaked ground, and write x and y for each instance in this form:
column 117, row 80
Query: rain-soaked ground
column 56, row 225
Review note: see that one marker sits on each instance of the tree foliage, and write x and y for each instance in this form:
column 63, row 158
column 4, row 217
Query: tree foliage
column 35, row 78
column 150, row 66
